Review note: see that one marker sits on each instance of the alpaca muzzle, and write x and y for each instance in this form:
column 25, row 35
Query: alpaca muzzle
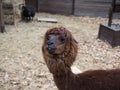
column 50, row 47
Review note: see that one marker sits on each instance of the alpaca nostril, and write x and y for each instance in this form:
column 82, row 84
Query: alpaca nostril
column 50, row 43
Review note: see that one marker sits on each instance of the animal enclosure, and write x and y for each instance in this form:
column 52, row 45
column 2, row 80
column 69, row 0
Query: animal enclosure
column 21, row 61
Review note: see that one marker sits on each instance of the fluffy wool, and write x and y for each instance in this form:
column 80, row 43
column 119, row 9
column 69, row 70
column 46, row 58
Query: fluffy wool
column 59, row 64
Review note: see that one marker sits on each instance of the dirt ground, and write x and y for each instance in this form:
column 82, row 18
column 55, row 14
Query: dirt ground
column 21, row 63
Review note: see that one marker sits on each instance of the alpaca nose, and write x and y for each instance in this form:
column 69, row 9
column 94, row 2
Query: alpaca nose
column 51, row 47
column 50, row 43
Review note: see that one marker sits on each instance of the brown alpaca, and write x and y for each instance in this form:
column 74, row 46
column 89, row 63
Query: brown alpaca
column 59, row 51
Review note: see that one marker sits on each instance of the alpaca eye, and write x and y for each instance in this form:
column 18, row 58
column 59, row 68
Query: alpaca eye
column 62, row 39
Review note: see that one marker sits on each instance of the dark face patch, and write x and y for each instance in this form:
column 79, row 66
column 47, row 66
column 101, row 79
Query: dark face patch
column 55, row 44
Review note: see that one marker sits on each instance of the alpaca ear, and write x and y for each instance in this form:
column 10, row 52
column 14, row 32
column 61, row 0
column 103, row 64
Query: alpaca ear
column 69, row 35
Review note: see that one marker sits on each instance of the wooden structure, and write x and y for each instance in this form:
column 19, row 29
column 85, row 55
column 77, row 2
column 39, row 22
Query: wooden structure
column 9, row 13
column 72, row 7
column 111, row 32
column 75, row 7
column 92, row 7
column 2, row 26
column 32, row 3
column 56, row 6
column 51, row 20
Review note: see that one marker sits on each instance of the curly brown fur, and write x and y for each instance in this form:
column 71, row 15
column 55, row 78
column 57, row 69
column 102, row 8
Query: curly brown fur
column 61, row 59
column 70, row 50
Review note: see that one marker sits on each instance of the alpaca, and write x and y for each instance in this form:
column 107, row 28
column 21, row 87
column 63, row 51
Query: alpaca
column 60, row 51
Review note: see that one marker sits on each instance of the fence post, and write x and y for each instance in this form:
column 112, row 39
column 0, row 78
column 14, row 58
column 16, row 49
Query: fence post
column 111, row 12
column 73, row 7
column 2, row 26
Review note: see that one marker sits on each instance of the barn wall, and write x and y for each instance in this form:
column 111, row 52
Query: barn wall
column 92, row 7
column 81, row 7
column 55, row 6
column 33, row 3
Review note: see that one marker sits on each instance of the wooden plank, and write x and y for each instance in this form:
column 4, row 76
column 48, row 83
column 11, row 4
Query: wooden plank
column 96, row 1
column 52, row 20
column 7, row 6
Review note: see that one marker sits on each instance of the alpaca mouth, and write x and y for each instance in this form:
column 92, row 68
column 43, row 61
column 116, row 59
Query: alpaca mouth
column 51, row 52
column 51, row 49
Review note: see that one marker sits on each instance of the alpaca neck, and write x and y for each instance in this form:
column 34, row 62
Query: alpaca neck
column 62, row 73
column 58, row 66
column 64, row 81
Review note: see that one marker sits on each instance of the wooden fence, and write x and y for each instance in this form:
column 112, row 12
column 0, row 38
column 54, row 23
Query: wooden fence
column 55, row 6
column 75, row 7
column 33, row 3
column 92, row 7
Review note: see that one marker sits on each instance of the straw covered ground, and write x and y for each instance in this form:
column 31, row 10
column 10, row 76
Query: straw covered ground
column 21, row 63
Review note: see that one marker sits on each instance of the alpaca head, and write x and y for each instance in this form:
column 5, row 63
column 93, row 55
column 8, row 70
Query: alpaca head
column 59, row 44
column 55, row 43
